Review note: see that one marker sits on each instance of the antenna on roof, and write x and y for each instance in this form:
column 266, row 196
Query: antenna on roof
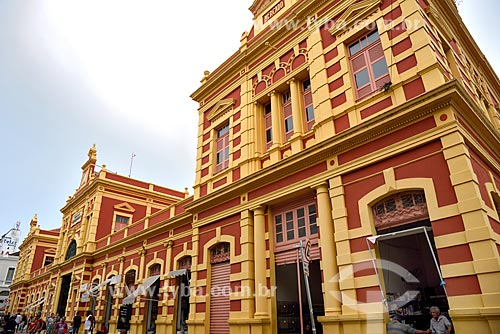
column 131, row 161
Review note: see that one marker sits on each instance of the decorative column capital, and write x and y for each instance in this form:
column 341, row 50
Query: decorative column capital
column 321, row 187
column 142, row 251
column 259, row 210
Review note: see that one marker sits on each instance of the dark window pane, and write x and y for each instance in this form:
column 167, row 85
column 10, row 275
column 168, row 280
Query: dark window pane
column 354, row 48
column 379, row 68
column 306, row 84
column 362, row 42
column 302, row 232
column 289, row 225
column 373, row 37
column 390, row 205
column 269, row 136
column 419, row 198
column 380, row 209
column 309, row 113
column 362, row 78
column 300, row 212
column 407, row 200
column 267, row 107
column 288, row 124
column 279, row 228
column 290, row 235
column 279, row 238
column 286, row 97
column 289, row 216
column 314, row 229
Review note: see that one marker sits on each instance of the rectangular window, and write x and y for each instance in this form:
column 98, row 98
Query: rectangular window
column 48, row 260
column 368, row 64
column 294, row 224
column 268, row 125
column 121, row 222
column 308, row 105
column 222, row 149
column 287, row 115
column 10, row 275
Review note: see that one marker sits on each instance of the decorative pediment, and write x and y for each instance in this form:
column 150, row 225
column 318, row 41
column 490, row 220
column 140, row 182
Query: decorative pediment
column 124, row 207
column 221, row 108
column 258, row 6
column 355, row 13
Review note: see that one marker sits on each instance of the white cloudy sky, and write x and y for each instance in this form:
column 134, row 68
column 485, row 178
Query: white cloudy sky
column 118, row 74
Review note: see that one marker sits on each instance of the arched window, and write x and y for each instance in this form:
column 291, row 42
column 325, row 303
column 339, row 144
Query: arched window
column 71, row 250
column 400, row 209
column 130, row 279
column 220, row 253
column 185, row 262
column 496, row 202
column 152, row 303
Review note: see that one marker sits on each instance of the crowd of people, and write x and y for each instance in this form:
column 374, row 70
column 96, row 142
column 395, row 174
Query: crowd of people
column 52, row 324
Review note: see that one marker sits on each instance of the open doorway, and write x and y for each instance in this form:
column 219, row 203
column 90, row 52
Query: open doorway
column 411, row 273
column 291, row 297
column 64, row 294
column 152, row 300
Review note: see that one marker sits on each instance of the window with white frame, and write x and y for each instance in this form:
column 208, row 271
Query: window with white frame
column 222, row 148
column 295, row 223
column 370, row 72
column 10, row 275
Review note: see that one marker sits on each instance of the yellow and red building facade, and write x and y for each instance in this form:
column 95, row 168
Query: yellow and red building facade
column 368, row 129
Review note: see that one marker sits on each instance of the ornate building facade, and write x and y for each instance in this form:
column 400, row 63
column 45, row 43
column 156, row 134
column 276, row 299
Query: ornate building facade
column 368, row 130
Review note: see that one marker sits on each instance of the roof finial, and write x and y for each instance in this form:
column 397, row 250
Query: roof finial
column 92, row 153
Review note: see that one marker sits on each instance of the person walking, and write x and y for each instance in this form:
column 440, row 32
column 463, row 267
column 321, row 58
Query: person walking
column 50, row 324
column 77, row 322
column 62, row 326
column 88, row 326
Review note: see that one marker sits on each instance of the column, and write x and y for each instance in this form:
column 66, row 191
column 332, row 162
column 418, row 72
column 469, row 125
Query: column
column 328, row 252
column 276, row 119
column 260, row 264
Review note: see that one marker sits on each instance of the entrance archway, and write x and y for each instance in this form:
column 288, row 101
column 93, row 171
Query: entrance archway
column 409, row 273
column 63, row 294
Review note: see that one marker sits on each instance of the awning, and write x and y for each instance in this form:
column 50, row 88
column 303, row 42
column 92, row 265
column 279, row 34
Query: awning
column 411, row 231
column 175, row 273
column 112, row 280
column 36, row 303
column 422, row 229
column 94, row 289
column 142, row 288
